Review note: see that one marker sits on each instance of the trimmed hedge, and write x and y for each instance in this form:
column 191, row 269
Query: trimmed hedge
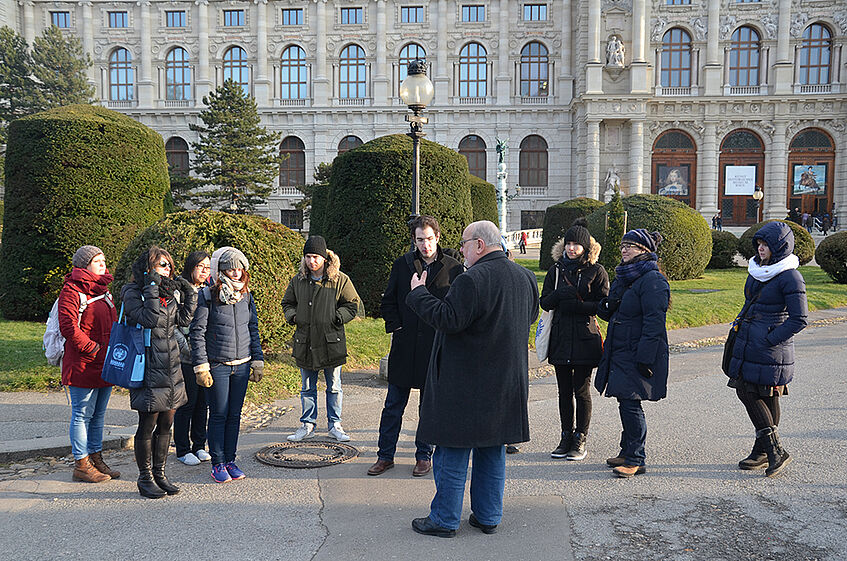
column 557, row 219
column 317, row 211
column 804, row 245
column 75, row 175
column 483, row 200
column 724, row 248
column 273, row 250
column 831, row 255
column 687, row 245
column 369, row 197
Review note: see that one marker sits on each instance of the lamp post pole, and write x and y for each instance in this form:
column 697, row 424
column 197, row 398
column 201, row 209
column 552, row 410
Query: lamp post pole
column 758, row 195
column 416, row 91
column 416, row 133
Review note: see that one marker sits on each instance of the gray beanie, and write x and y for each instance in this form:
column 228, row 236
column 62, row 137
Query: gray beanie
column 84, row 255
column 232, row 258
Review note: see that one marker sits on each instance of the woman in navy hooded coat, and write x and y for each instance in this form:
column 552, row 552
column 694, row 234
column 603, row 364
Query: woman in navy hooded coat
column 763, row 355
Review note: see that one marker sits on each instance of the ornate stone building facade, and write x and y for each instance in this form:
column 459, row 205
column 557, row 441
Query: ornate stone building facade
column 706, row 101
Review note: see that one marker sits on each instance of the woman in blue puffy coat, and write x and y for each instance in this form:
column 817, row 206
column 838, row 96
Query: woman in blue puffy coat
column 634, row 366
column 762, row 363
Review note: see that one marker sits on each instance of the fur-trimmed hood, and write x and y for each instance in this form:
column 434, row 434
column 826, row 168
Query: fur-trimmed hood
column 593, row 252
column 332, row 268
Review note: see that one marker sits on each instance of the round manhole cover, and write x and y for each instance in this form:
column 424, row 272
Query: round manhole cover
column 306, row 454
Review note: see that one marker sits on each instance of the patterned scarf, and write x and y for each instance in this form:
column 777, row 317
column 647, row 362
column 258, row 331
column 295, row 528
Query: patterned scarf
column 630, row 272
column 230, row 290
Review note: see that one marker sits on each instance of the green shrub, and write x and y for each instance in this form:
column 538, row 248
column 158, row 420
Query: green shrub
column 370, row 193
column 557, row 219
column 687, row 245
column 804, row 245
column 483, row 200
column 831, row 255
column 273, row 250
column 317, row 210
column 724, row 248
column 75, row 175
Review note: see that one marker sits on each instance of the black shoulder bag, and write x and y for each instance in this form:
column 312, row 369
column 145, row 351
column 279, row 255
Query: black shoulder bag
column 733, row 332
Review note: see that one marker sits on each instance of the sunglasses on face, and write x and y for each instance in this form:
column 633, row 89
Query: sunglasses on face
column 164, row 264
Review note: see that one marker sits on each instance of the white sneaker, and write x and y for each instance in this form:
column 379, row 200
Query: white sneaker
column 338, row 433
column 189, row 459
column 306, row 430
column 203, row 456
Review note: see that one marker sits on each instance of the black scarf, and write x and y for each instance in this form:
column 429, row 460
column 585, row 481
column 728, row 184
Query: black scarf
column 167, row 287
column 630, row 272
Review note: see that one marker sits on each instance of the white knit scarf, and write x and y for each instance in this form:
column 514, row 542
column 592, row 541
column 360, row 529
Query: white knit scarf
column 764, row 273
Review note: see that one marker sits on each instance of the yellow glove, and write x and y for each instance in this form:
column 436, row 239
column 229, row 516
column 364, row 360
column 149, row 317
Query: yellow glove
column 204, row 377
column 257, row 370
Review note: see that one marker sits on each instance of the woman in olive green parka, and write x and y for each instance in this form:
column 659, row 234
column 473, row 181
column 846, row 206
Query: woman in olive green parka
column 319, row 300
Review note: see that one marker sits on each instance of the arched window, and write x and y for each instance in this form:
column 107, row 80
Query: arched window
column 121, row 82
column 352, row 78
column 534, row 70
column 473, row 71
column 348, row 143
column 177, row 75
column 236, row 69
column 292, row 72
column 744, row 57
column 815, row 55
column 292, row 170
column 410, row 52
column 472, row 147
column 533, row 162
column 811, row 140
column 176, row 152
column 676, row 59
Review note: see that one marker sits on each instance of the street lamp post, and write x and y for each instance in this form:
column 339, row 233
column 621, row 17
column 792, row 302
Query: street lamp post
column 503, row 195
column 416, row 91
column 758, row 195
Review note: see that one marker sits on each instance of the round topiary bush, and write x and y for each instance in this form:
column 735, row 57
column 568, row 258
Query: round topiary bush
column 724, row 248
column 75, row 175
column 369, row 200
column 831, row 255
column 687, row 245
column 274, row 252
column 804, row 245
column 557, row 219
column 483, row 200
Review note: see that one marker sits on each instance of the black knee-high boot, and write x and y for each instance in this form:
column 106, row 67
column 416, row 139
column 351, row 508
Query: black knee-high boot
column 160, row 456
column 143, row 458
column 757, row 458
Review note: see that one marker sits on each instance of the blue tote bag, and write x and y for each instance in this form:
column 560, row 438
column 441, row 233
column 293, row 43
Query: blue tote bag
column 124, row 364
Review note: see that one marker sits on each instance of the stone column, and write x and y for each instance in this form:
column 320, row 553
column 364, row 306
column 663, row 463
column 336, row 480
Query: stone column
column 261, row 82
column 776, row 194
column 320, row 82
column 636, row 157
column 594, row 67
column 782, row 72
column 707, row 189
column 638, row 70
column 380, row 77
column 203, row 84
column 146, row 89
column 29, row 22
column 712, row 82
column 592, row 158
column 504, row 78
column 441, row 82
column 87, row 25
column 565, row 90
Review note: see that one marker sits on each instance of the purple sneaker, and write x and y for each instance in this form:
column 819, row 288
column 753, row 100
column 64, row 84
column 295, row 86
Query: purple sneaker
column 234, row 472
column 220, row 474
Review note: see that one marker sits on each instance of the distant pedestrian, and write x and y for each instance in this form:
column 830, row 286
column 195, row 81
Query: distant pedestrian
column 762, row 365
column 634, row 366
column 523, row 242
column 86, row 341
column 826, row 223
column 719, row 222
column 715, row 222
column 804, row 222
column 794, row 215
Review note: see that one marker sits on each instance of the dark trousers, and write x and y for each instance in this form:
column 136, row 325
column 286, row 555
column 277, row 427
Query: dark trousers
column 158, row 421
column 226, row 397
column 190, row 419
column 634, row 431
column 574, row 383
column 389, row 425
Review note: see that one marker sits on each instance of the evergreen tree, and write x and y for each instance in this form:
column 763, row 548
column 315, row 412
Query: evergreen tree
column 59, row 66
column 19, row 93
column 235, row 158
column 610, row 256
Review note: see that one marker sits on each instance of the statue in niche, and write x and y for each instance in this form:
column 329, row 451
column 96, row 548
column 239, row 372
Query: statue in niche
column 615, row 52
column 613, row 184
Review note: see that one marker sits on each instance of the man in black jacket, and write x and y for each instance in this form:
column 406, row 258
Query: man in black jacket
column 475, row 399
column 411, row 340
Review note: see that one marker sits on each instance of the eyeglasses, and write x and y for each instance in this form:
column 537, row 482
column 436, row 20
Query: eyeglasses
column 463, row 242
column 628, row 246
column 204, row 267
column 164, row 264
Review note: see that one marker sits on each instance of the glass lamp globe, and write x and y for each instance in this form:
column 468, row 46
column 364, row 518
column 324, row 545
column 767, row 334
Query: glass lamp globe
column 417, row 90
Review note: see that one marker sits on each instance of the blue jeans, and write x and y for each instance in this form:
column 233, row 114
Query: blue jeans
column 309, row 395
column 389, row 425
column 88, row 413
column 488, row 480
column 634, row 431
column 226, row 397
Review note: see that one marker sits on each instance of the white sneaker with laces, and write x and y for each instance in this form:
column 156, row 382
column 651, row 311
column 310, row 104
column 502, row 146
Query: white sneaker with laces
column 203, row 456
column 338, row 433
column 306, row 430
column 189, row 459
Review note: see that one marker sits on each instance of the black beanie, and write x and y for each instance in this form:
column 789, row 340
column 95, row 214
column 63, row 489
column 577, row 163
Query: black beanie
column 644, row 239
column 315, row 245
column 578, row 233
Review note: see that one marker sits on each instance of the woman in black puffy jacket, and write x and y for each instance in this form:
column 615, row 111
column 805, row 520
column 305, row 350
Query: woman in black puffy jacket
column 159, row 303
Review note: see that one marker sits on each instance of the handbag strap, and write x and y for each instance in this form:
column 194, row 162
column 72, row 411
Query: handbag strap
column 740, row 317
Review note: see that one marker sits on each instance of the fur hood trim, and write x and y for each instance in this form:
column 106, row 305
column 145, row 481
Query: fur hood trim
column 333, row 266
column 593, row 252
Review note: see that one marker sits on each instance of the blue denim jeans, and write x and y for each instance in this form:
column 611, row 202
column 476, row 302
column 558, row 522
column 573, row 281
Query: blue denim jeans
column 88, row 413
column 488, row 480
column 634, row 435
column 309, row 395
column 389, row 425
column 226, row 397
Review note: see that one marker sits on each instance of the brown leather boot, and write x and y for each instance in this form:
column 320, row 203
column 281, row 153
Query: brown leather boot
column 97, row 460
column 84, row 470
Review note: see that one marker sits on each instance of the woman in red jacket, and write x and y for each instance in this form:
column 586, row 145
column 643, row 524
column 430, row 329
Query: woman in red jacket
column 86, row 336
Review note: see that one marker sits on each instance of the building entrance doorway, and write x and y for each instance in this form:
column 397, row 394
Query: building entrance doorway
column 742, row 165
column 811, row 170
column 675, row 167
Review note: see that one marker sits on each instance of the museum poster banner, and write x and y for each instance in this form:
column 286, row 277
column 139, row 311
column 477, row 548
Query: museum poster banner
column 739, row 180
column 809, row 180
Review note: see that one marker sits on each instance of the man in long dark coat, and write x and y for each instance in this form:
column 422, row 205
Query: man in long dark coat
column 411, row 340
column 475, row 399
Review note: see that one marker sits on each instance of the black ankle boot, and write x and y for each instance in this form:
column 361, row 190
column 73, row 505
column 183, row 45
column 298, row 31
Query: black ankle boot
column 160, row 455
column 778, row 457
column 564, row 446
column 577, row 451
column 143, row 458
column 757, row 458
